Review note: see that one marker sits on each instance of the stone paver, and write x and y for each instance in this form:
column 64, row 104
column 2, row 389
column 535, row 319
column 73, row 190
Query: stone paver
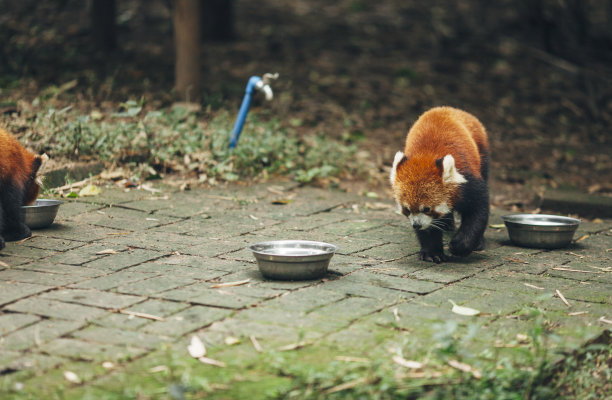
column 124, row 273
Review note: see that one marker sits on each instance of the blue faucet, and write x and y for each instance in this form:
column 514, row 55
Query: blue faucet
column 255, row 82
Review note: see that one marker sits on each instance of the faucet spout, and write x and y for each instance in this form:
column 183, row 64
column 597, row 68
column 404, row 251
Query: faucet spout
column 255, row 82
column 266, row 89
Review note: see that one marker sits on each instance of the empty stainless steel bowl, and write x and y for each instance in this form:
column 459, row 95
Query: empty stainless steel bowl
column 42, row 213
column 293, row 259
column 540, row 230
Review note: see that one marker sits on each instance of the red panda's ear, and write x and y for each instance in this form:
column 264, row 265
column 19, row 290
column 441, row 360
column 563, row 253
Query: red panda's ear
column 399, row 158
column 37, row 165
column 450, row 174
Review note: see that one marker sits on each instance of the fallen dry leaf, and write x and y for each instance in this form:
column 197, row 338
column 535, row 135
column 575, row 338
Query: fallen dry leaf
column 71, row 377
column 230, row 284
column 463, row 310
column 108, row 365
column 522, row 338
column 107, row 251
column 465, row 368
column 230, row 340
column 407, row 363
column 295, row 346
column 196, row 347
column 282, row 201
column 90, row 190
column 159, row 368
column 210, row 361
column 581, row 238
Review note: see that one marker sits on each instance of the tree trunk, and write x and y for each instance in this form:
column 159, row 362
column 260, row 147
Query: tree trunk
column 103, row 24
column 187, row 34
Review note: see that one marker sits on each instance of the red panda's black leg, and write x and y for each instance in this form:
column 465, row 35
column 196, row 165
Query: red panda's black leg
column 1, row 225
column 474, row 210
column 431, row 245
column 13, row 227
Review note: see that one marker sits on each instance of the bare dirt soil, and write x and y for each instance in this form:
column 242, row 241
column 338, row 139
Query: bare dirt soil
column 357, row 69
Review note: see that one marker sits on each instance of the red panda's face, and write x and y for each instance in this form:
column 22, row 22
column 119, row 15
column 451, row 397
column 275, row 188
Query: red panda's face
column 423, row 202
column 420, row 190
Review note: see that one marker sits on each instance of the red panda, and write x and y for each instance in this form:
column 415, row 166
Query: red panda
column 444, row 169
column 18, row 186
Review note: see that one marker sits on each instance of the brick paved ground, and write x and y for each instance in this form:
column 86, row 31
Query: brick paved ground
column 123, row 274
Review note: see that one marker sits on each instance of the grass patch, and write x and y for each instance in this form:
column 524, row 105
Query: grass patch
column 192, row 143
column 526, row 369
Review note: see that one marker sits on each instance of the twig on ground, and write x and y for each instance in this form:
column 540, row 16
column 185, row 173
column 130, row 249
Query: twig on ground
column 533, row 286
column 230, row 284
column 72, row 185
column 256, row 344
column 140, row 315
column 574, row 270
column 563, row 299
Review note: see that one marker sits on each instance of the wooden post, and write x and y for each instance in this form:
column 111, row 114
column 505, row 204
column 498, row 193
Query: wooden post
column 187, row 34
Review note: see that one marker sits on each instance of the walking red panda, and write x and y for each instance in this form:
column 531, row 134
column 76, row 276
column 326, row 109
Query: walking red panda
column 444, row 168
column 18, row 186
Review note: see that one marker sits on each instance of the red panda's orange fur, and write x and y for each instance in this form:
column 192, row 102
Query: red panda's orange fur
column 17, row 164
column 443, row 170
column 447, row 130
column 438, row 132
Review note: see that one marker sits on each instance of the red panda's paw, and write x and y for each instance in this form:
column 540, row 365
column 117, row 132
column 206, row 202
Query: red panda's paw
column 432, row 256
column 460, row 246
column 481, row 245
column 1, row 242
column 23, row 233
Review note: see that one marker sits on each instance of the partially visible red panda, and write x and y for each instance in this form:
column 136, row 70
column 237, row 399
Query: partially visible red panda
column 444, row 168
column 18, row 186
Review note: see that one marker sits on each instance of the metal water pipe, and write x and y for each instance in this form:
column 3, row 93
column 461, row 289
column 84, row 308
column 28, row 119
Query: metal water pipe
column 255, row 82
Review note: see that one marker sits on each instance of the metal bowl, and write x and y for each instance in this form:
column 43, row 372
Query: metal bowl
column 293, row 259
column 41, row 214
column 541, row 230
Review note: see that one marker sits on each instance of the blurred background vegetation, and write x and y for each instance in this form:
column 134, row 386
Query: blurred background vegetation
column 538, row 74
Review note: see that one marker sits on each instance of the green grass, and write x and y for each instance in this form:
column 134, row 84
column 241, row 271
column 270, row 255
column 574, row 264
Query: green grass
column 178, row 140
column 315, row 372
